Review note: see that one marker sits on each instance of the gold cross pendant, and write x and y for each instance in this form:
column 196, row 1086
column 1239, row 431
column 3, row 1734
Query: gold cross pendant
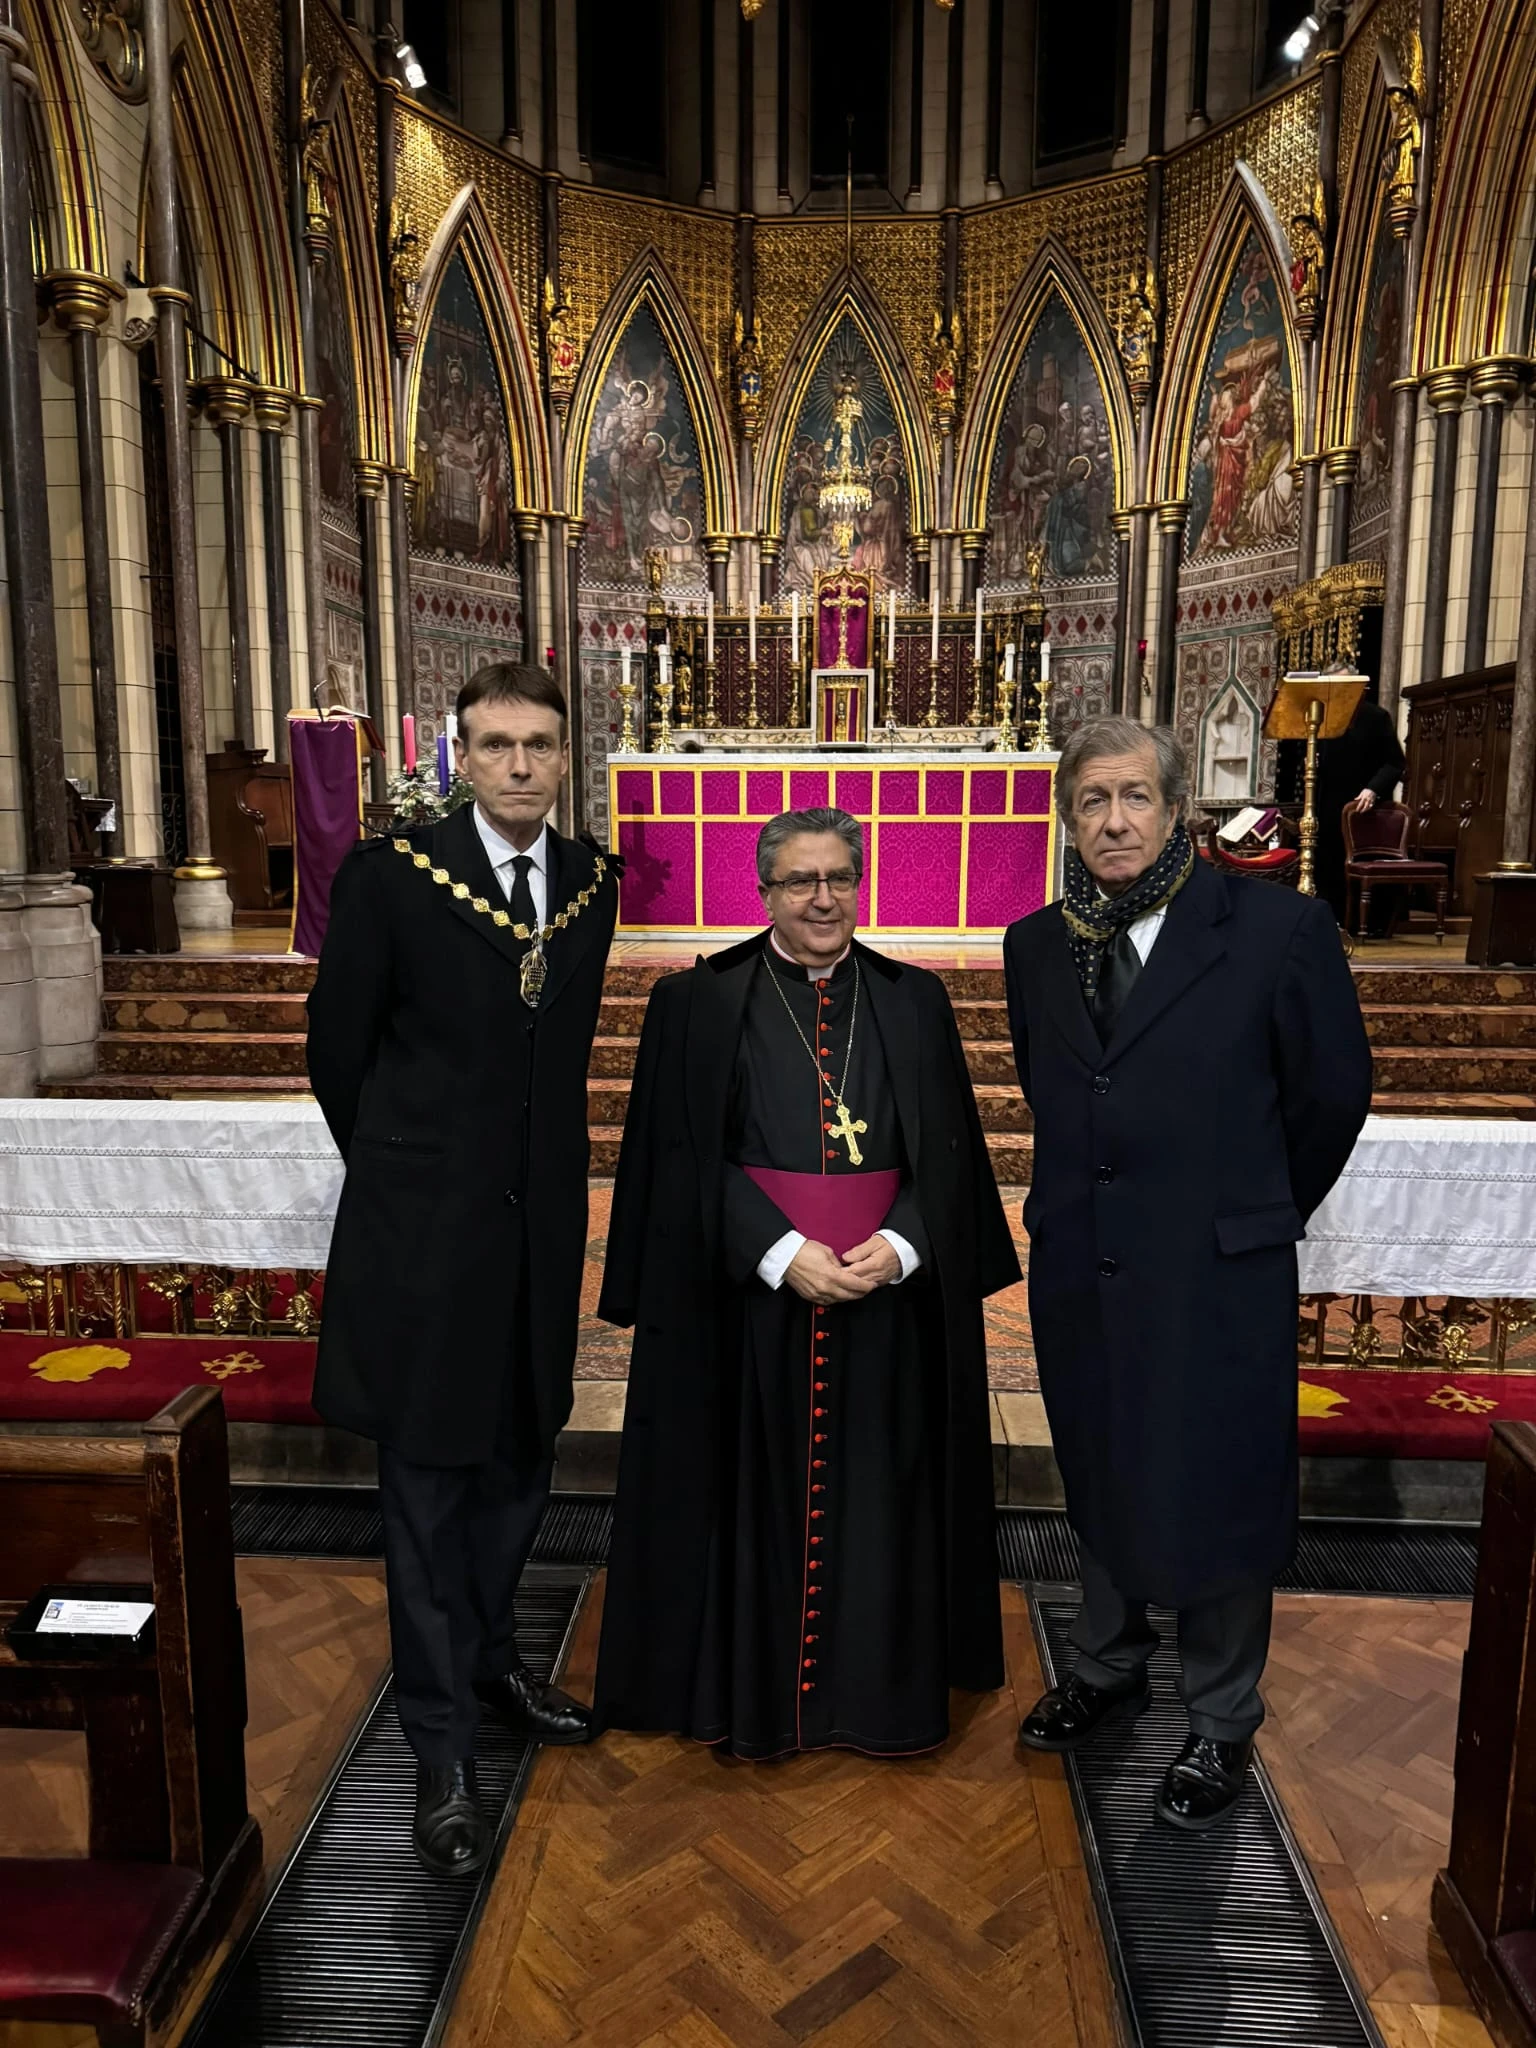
column 845, row 1128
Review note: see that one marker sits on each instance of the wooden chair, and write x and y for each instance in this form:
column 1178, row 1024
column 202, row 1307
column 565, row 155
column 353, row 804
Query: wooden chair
column 1376, row 851
column 250, row 810
column 118, row 1939
column 1484, row 1902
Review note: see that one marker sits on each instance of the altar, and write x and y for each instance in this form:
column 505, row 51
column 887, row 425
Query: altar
column 957, row 844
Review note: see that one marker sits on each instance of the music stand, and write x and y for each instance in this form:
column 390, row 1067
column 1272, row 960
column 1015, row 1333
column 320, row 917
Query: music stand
column 1312, row 708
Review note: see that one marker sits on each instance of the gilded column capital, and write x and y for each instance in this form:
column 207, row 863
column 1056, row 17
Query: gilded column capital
column 370, row 478
column 574, row 529
column 1171, row 516
column 172, row 295
column 305, row 401
column 1341, row 464
column 717, row 547
column 81, row 298
column 770, row 546
column 1446, row 389
column 922, row 546
column 1496, row 380
column 226, row 400
column 972, row 541
column 1121, row 522
column 273, row 407
column 527, row 524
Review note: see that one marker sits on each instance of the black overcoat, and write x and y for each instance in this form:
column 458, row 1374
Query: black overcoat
column 665, row 1276
column 1174, row 1171
column 462, row 1117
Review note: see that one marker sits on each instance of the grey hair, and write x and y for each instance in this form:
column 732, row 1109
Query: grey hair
column 1101, row 737
column 790, row 824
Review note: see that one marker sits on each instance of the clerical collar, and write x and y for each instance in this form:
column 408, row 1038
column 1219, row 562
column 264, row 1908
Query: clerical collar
column 810, row 973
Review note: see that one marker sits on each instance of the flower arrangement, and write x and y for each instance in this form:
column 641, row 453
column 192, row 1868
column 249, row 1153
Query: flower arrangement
column 417, row 800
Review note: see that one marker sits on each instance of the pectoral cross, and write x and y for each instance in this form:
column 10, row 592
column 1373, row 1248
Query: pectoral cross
column 842, row 600
column 846, row 1128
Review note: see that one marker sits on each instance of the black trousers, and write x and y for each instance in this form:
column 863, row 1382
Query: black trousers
column 1223, row 1644
column 456, row 1539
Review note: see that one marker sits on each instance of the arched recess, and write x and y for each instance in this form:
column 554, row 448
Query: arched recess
column 1355, row 244
column 848, row 298
column 1245, row 211
column 648, row 284
column 465, row 231
column 357, row 253
column 1051, row 272
column 1477, row 247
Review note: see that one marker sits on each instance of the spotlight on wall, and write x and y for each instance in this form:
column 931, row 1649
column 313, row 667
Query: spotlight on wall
column 1299, row 41
column 411, row 66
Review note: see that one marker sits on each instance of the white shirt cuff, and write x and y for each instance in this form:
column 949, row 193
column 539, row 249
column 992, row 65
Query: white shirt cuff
column 908, row 1257
column 778, row 1258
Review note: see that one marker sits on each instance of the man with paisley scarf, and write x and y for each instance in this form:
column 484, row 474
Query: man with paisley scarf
column 1191, row 1046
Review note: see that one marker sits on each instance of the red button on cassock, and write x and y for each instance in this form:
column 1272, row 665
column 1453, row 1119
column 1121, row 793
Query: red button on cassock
column 805, row 1688
column 820, row 1388
column 818, row 1489
column 816, row 1515
column 818, row 1412
column 818, row 1464
column 820, row 1437
column 815, row 1539
column 813, row 1614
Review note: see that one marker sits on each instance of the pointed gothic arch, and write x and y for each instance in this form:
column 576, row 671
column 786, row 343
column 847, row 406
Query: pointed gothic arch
column 1052, row 271
column 465, row 231
column 649, row 284
column 847, row 297
column 1360, row 216
column 59, row 116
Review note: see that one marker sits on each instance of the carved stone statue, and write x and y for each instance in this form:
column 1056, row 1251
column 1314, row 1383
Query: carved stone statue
column 1405, row 139
column 560, row 345
column 944, row 369
column 319, row 181
column 403, row 274
column 747, row 372
column 1309, row 234
column 1138, row 331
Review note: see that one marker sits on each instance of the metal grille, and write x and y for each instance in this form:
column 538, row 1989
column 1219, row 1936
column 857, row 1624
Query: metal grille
column 343, row 1521
column 359, row 1944
column 1422, row 1560
column 1216, row 1940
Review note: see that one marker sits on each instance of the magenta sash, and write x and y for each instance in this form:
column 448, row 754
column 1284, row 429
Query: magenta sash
column 836, row 1209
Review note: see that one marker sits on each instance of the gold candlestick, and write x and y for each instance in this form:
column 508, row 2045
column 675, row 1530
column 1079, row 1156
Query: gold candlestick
column 1042, row 739
column 1306, row 882
column 1007, row 739
column 973, row 716
column 931, row 715
column 888, row 678
column 753, row 721
column 796, row 714
column 664, row 732
column 711, row 715
column 627, row 697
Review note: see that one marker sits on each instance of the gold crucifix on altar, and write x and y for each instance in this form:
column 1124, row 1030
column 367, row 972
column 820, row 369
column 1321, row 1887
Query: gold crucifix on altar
column 840, row 598
column 842, row 688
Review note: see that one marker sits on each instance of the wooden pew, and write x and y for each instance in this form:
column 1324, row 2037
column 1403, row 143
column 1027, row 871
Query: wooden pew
column 250, row 809
column 1484, row 1902
column 118, row 1939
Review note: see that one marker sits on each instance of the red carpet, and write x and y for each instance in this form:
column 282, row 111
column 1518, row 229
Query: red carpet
column 63, row 1379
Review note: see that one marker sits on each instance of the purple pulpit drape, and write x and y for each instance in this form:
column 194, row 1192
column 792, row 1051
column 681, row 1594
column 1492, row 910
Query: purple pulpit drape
column 327, row 758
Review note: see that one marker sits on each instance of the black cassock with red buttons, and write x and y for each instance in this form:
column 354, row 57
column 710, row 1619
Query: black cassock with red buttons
column 803, row 1550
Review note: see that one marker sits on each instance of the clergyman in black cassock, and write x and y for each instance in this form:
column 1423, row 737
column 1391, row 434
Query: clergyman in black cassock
column 803, row 1551
column 454, row 1081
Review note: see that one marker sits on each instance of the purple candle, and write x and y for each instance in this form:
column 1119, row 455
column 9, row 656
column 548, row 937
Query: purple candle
column 442, row 763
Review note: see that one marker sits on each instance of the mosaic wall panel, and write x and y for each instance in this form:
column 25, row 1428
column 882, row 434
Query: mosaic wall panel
column 337, row 390
column 880, row 542
column 341, row 560
column 797, row 261
column 329, row 48
column 1380, row 338
column 462, row 459
column 1223, row 634
column 1394, row 19
column 642, row 487
column 601, row 234
column 1241, row 492
column 1081, row 626
column 433, row 165
column 464, row 615
column 604, row 626
column 1053, row 471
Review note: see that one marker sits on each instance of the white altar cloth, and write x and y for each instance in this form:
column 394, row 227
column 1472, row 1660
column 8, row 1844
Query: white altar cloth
column 1427, row 1205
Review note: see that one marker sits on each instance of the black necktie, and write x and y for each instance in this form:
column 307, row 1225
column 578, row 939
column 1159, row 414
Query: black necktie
column 1117, row 972
column 521, row 901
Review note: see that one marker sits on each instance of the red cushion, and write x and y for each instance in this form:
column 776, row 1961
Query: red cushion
column 1271, row 857
column 83, row 1940
column 1515, row 1955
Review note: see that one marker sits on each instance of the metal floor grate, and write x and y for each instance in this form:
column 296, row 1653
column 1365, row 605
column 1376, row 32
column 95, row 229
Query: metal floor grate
column 1423, row 1560
column 358, row 1944
column 1216, row 1940
column 343, row 1521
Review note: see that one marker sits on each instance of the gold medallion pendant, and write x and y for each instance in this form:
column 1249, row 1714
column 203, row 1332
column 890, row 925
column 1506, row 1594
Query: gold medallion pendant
column 530, row 976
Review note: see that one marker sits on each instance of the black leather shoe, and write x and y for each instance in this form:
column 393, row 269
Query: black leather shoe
column 451, row 1835
column 539, row 1713
column 1204, row 1782
column 1069, row 1713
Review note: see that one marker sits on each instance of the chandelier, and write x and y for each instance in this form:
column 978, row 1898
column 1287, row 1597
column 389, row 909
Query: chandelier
column 844, row 496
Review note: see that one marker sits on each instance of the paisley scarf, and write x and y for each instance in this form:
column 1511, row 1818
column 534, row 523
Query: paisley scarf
column 1093, row 919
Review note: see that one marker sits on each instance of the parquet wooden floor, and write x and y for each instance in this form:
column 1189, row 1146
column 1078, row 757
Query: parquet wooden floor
column 1362, row 1698
column 651, row 1895
column 316, row 1640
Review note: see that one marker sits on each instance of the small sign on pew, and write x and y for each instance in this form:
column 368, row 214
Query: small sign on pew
column 63, row 1624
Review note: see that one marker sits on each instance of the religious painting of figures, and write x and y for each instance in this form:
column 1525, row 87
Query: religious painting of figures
column 462, row 465
column 847, row 372
column 1381, row 333
column 643, row 487
column 1241, row 493
column 1053, row 471
column 333, row 366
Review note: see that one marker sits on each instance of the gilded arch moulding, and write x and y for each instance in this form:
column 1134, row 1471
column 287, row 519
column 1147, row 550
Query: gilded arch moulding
column 78, row 239
column 465, row 230
column 1052, row 271
column 1361, row 213
column 648, row 283
column 1245, row 208
column 847, row 298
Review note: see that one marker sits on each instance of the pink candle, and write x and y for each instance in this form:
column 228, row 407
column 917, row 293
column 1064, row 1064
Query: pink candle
column 408, row 732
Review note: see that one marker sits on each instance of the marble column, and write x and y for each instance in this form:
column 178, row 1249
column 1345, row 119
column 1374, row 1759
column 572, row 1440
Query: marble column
column 1121, row 521
column 18, row 996
column 577, row 782
column 227, row 406
column 922, row 567
column 770, row 549
column 402, row 491
column 1446, row 391
column 1495, row 386
column 273, row 409
column 717, row 552
column 973, row 548
column 1342, row 464
column 1520, row 790
column 529, row 527
column 1170, row 524
column 369, row 477
column 81, row 302
column 202, row 898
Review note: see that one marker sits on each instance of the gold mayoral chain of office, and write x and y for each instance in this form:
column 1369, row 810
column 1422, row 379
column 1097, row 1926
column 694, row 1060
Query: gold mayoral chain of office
column 532, row 970
column 844, row 1127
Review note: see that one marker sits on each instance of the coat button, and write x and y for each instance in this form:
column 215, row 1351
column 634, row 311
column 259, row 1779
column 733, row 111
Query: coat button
column 1104, row 1176
column 1101, row 1084
column 512, row 1198
column 1108, row 1268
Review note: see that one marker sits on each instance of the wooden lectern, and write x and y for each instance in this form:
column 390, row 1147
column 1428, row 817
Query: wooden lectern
column 1312, row 708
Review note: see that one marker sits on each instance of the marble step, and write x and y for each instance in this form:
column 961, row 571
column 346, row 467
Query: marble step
column 1420, row 1102
column 232, row 1011
column 180, row 1088
column 1449, row 983
column 1454, row 1070
column 1412, row 1024
column 202, row 974
column 205, row 1053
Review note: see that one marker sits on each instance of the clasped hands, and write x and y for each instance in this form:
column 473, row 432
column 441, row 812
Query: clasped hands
column 817, row 1274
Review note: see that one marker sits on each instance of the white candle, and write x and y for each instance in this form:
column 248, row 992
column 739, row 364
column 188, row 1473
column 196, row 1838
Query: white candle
column 1008, row 663
column 933, row 637
column 890, row 627
column 664, row 663
column 978, row 629
column 794, row 626
column 453, row 738
column 624, row 662
column 709, row 628
column 1045, row 661
column 751, row 627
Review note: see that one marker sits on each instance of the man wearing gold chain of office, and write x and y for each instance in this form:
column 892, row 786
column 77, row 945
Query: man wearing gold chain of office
column 804, row 1226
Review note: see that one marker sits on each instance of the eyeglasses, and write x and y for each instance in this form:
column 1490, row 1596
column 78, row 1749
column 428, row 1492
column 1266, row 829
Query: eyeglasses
column 842, row 882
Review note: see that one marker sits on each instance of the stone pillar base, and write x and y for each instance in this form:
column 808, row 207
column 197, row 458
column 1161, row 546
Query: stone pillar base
column 203, row 901
column 65, row 957
column 18, row 1000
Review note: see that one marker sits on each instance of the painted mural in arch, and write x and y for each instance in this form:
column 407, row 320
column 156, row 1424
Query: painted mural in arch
column 880, row 539
column 462, row 458
column 1053, row 470
column 642, row 484
column 1241, row 493
column 337, row 395
column 1381, row 332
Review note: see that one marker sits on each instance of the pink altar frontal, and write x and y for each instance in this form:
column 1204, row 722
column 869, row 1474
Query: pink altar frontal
column 953, row 848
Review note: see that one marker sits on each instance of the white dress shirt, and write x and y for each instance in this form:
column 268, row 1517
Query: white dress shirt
column 1145, row 930
column 780, row 1255
column 501, row 854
